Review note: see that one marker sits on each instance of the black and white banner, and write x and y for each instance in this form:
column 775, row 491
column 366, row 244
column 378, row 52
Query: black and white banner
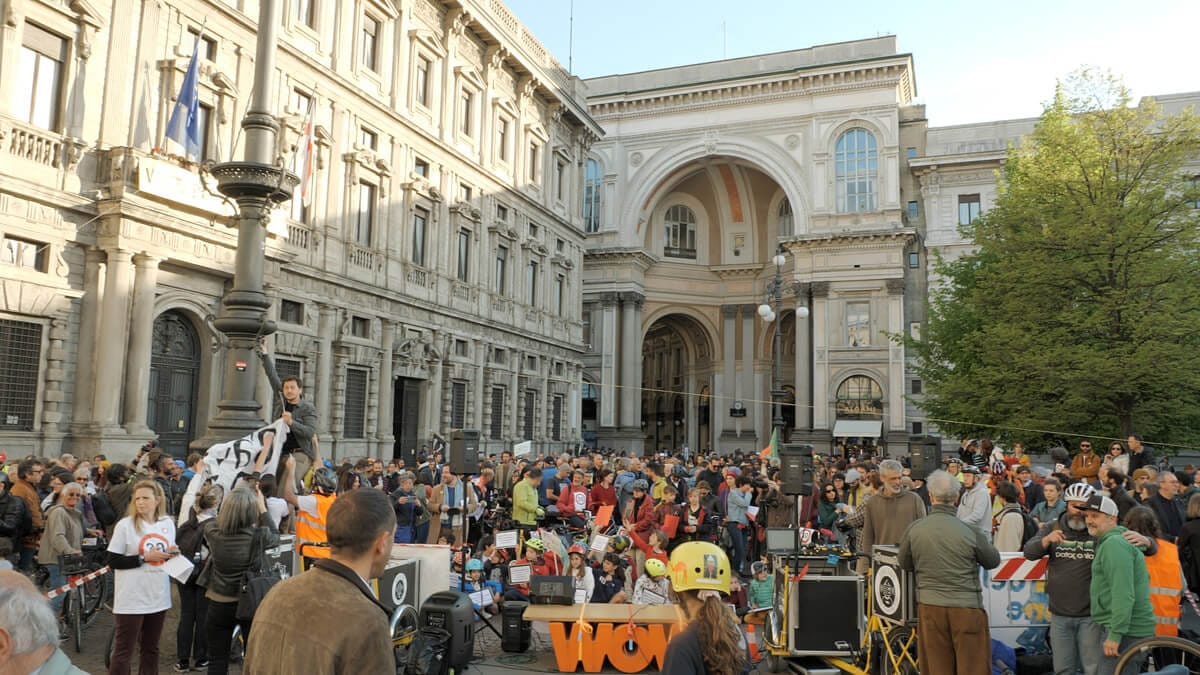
column 225, row 461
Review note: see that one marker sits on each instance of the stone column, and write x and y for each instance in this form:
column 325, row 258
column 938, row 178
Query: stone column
column 691, row 415
column 85, row 364
column 480, row 351
column 113, row 340
column 387, row 391
column 323, row 384
column 728, row 393
column 746, row 388
column 515, row 397
column 803, row 379
column 821, row 331
column 896, row 383
column 573, row 429
column 608, row 356
column 141, row 333
column 631, row 360
column 436, row 405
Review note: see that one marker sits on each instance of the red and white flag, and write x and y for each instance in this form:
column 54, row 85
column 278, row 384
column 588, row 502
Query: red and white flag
column 305, row 159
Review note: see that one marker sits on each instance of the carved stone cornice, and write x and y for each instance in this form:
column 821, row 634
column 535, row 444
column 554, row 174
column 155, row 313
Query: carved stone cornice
column 820, row 289
column 729, row 311
column 726, row 272
column 618, row 256
column 633, row 297
column 801, row 289
column 851, row 239
column 609, row 299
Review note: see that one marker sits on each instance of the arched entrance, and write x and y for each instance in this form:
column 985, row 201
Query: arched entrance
column 859, row 408
column 676, row 368
column 174, row 382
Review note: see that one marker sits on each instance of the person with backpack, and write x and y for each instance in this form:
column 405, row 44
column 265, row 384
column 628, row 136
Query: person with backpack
column 1011, row 527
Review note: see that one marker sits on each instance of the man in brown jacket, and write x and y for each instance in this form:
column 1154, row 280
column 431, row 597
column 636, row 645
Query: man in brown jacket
column 327, row 621
column 889, row 513
column 29, row 474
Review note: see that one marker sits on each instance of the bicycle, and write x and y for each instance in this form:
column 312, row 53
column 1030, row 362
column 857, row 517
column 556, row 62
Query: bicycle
column 1159, row 653
column 79, row 610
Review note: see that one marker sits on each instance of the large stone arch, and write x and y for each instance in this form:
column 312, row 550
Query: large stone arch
column 707, row 329
column 771, row 159
column 195, row 310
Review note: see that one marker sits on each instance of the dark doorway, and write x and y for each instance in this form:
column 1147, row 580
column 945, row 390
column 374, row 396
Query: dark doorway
column 406, row 419
column 174, row 382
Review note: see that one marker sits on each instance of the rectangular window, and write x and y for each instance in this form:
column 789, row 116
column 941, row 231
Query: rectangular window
column 531, row 363
column 530, row 403
column 306, row 12
column 461, row 348
column 464, row 255
column 291, row 311
column 465, row 192
column 204, row 118
column 420, row 222
column 501, row 213
column 560, row 179
column 496, row 428
column 421, row 167
column 918, row 428
column 913, row 210
column 38, row 88
column 301, row 102
column 592, row 182
column 559, row 296
column 354, row 422
column 968, row 208
column 858, row 324
column 421, row 81
column 501, row 271
column 364, row 225
column 499, row 356
column 360, row 327
column 458, row 405
column 502, row 140
column 21, row 344
column 534, row 230
column 559, row 245
column 26, row 253
column 914, row 330
column 466, row 107
column 587, row 330
column 368, row 139
column 556, row 408
column 916, row 386
column 535, row 154
column 531, row 282
column 208, row 44
column 910, row 152
column 370, row 42
column 299, row 212
column 914, row 260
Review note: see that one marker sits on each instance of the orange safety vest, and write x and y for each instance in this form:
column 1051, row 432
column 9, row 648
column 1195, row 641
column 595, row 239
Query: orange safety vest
column 1166, row 587
column 312, row 530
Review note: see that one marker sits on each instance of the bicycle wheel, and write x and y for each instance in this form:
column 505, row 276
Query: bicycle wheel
column 1157, row 653
column 75, row 617
column 93, row 593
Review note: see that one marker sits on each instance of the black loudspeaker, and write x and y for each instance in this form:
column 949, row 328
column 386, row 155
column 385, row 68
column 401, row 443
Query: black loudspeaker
column 893, row 590
column 464, row 452
column 828, row 618
column 923, row 455
column 516, row 631
column 796, row 469
column 453, row 613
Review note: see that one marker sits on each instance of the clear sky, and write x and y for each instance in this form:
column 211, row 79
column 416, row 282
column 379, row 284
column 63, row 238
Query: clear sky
column 974, row 61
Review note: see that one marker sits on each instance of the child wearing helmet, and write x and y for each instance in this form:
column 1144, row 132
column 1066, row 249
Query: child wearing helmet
column 712, row 643
column 653, row 587
column 541, row 563
column 654, row 549
column 580, row 572
column 476, row 584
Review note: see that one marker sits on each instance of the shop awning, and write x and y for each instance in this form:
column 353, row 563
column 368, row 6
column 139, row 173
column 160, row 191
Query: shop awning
column 857, row 428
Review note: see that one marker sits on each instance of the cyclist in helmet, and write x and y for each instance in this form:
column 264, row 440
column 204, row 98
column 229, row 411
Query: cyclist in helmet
column 1074, row 640
column 541, row 563
column 639, row 517
column 580, row 573
column 311, row 510
column 653, row 587
column 712, row 642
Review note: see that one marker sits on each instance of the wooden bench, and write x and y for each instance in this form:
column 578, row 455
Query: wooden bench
column 606, row 634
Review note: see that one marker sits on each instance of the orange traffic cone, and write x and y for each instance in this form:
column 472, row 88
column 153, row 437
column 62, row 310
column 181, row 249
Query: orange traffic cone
column 752, row 642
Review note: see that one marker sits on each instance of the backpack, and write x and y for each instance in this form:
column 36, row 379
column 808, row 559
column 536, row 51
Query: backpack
column 24, row 518
column 190, row 537
column 1029, row 525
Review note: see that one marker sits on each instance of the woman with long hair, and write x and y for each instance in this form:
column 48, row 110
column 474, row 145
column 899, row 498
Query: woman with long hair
column 712, row 643
column 141, row 542
column 190, row 637
column 236, row 539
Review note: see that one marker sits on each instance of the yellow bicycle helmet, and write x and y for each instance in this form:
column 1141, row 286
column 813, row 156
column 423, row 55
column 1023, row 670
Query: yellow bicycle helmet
column 535, row 544
column 655, row 567
column 699, row 565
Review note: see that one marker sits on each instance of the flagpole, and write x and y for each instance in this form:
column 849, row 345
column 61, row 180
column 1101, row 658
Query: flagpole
column 257, row 184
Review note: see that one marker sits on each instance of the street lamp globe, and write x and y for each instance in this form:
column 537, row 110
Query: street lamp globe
column 763, row 310
column 802, row 312
column 779, row 260
column 769, row 317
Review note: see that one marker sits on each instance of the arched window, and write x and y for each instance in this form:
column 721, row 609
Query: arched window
column 859, row 397
column 857, row 171
column 680, row 230
column 592, row 180
column 786, row 219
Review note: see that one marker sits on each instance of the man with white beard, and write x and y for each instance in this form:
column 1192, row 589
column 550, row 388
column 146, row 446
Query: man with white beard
column 1076, row 642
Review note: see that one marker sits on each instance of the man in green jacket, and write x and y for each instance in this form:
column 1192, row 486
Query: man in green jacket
column 1120, row 589
column 525, row 498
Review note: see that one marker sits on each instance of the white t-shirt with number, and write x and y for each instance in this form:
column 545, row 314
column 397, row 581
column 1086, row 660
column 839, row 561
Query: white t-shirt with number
column 145, row 589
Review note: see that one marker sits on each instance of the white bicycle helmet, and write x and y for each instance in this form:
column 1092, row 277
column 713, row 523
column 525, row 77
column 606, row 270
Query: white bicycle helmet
column 1078, row 492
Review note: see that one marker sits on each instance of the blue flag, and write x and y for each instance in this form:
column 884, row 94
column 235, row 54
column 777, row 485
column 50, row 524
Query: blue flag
column 184, row 126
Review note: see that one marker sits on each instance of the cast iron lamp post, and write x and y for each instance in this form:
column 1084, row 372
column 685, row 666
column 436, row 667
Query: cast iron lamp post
column 770, row 313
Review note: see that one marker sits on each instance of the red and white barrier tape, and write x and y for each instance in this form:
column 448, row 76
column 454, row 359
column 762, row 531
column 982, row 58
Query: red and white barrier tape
column 78, row 581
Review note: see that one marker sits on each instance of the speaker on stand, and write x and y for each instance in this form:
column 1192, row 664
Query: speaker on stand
column 796, row 469
column 924, row 455
column 464, row 452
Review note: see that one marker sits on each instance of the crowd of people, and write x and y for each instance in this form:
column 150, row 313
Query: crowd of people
column 989, row 499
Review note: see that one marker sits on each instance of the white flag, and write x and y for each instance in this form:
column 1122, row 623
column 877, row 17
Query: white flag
column 224, row 461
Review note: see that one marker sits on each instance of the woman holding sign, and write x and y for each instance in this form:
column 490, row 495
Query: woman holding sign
column 141, row 543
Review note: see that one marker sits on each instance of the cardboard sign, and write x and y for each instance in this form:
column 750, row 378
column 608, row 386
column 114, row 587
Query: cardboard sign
column 482, row 598
column 519, row 574
column 604, row 515
column 506, row 539
column 599, row 543
column 670, row 525
column 751, row 512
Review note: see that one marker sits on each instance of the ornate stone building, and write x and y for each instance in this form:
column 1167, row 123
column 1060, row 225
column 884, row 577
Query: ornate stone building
column 704, row 172
column 432, row 283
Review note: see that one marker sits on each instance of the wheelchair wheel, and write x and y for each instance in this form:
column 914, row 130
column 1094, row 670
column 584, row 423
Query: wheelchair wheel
column 1155, row 654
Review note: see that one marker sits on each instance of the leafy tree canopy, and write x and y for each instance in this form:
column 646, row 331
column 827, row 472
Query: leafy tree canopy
column 1079, row 310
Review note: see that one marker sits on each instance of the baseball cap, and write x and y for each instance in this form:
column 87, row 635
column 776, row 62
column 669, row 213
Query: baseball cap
column 1102, row 504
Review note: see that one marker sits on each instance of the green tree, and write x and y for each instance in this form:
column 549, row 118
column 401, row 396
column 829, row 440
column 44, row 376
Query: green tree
column 1078, row 311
